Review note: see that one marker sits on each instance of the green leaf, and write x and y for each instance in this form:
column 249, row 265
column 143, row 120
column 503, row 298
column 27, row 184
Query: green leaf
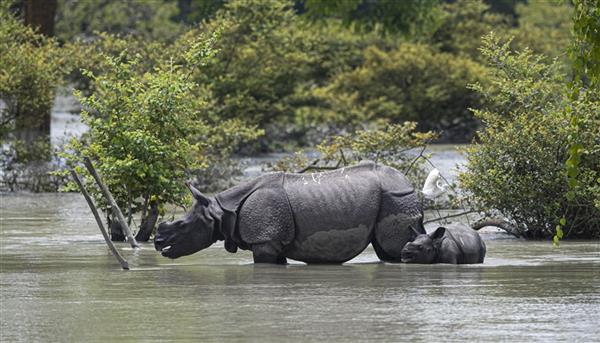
column 559, row 232
column 555, row 241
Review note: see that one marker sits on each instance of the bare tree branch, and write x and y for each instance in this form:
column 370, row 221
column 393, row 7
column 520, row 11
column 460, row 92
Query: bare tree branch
column 501, row 223
column 311, row 165
column 87, row 197
column 450, row 216
column 113, row 204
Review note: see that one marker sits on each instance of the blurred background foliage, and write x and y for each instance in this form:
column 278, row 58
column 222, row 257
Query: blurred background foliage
column 151, row 20
column 306, row 68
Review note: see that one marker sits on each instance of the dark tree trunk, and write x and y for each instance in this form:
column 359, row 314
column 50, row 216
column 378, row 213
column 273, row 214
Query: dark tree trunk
column 116, row 232
column 34, row 124
column 185, row 7
column 39, row 14
column 148, row 223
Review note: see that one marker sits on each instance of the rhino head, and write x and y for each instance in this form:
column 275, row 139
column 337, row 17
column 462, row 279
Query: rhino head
column 192, row 233
column 424, row 248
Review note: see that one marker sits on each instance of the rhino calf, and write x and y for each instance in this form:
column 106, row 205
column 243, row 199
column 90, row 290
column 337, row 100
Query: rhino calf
column 456, row 244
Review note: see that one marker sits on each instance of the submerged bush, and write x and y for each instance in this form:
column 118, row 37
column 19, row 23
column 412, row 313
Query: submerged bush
column 517, row 166
column 26, row 166
column 150, row 132
column 32, row 66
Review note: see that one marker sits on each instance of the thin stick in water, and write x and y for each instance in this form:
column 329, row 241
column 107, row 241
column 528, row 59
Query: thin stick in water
column 110, row 244
column 113, row 204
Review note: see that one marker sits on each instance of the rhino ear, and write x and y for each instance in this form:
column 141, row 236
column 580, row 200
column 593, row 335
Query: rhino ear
column 201, row 198
column 439, row 233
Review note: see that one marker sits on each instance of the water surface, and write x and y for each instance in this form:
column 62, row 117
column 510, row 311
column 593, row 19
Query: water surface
column 59, row 283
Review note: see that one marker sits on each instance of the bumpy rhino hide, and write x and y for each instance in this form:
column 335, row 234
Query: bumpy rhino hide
column 323, row 217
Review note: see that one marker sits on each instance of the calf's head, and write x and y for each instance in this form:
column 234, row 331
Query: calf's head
column 424, row 248
column 192, row 233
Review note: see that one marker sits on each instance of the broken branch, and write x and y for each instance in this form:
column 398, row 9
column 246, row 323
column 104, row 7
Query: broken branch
column 113, row 204
column 90, row 203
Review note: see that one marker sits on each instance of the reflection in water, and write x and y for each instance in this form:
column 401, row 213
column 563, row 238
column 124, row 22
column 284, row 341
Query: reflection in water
column 59, row 283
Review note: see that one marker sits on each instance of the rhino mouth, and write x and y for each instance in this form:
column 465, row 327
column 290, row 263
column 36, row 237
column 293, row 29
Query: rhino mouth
column 406, row 256
column 165, row 251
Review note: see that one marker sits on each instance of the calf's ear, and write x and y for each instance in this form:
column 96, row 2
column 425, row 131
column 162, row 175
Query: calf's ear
column 201, row 198
column 438, row 233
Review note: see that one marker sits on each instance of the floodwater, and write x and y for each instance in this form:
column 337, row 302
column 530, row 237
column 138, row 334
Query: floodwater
column 59, row 283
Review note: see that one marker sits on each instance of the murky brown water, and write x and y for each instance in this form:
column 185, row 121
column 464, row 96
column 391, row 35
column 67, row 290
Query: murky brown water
column 59, row 283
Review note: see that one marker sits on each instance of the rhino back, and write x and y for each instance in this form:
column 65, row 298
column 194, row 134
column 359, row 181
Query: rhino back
column 393, row 181
column 466, row 243
column 334, row 213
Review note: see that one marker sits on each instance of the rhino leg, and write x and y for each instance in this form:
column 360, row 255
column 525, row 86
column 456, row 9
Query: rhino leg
column 447, row 257
column 269, row 252
column 266, row 225
column 398, row 216
column 381, row 254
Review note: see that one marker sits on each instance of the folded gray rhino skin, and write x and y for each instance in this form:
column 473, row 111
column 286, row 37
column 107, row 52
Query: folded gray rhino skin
column 327, row 217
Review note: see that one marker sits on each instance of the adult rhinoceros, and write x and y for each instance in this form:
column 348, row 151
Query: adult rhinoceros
column 325, row 217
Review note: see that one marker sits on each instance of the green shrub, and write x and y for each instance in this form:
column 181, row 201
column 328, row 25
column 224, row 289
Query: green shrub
column 410, row 83
column 269, row 60
column 150, row 132
column 409, row 18
column 462, row 25
column 90, row 55
column 518, row 165
column 151, row 20
column 259, row 62
column 332, row 48
column 545, row 28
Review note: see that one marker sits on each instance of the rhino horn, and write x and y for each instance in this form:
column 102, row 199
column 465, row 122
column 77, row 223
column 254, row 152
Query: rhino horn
column 201, row 198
